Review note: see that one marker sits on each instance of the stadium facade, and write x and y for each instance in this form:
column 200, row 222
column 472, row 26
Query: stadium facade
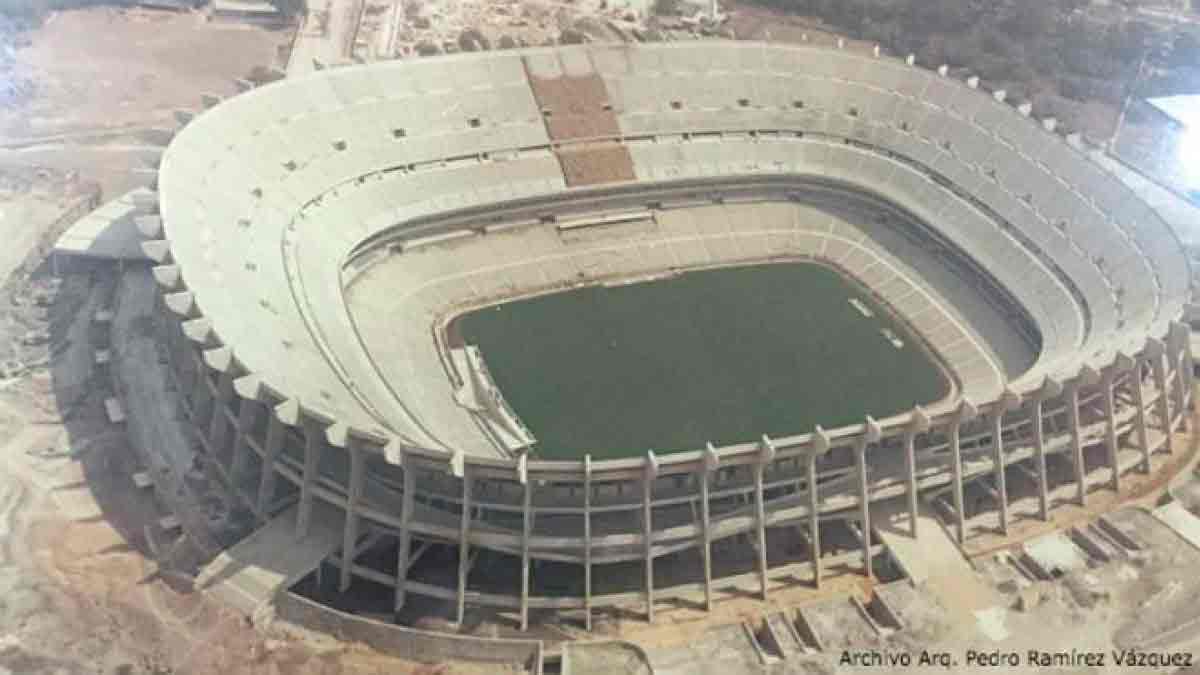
column 316, row 235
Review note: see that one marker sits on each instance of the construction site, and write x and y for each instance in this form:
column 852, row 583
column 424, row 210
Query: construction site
column 223, row 459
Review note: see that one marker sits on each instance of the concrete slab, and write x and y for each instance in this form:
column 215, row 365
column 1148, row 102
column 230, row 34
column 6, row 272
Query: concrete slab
column 249, row 575
column 1056, row 554
column 932, row 555
column 1182, row 521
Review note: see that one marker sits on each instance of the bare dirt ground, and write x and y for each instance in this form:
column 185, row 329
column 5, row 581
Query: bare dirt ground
column 84, row 584
column 81, row 585
column 103, row 78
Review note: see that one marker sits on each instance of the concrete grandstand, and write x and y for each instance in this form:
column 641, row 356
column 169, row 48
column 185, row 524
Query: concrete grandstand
column 315, row 236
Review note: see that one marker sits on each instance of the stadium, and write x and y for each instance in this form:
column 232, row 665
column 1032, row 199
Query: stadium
column 319, row 240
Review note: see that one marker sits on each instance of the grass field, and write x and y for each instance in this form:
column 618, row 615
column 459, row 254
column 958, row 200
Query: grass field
column 721, row 355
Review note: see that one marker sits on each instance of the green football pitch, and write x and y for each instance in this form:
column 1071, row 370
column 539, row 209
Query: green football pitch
column 722, row 356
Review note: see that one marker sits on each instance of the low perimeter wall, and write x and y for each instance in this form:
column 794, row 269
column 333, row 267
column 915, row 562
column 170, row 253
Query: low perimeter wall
column 406, row 642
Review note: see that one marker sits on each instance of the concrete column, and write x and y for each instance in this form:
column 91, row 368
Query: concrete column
column 1157, row 353
column 464, row 546
column 1186, row 356
column 1107, row 391
column 266, row 477
column 814, row 520
column 353, row 496
column 218, row 424
column 247, row 416
column 966, row 412
column 526, row 532
column 648, row 476
column 202, row 395
column 918, row 422
column 1049, row 390
column 587, row 542
column 1010, row 400
column 1178, row 346
column 314, row 445
column 1181, row 389
column 404, row 551
column 766, row 456
column 871, row 434
column 1139, row 419
column 1087, row 377
column 711, row 462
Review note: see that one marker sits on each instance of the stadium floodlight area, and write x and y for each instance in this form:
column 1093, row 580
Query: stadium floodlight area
column 319, row 233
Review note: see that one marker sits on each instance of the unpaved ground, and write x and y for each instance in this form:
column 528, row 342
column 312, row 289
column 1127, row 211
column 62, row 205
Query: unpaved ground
column 80, row 589
column 103, row 77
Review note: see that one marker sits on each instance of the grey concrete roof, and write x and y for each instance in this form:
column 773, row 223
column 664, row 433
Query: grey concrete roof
column 266, row 197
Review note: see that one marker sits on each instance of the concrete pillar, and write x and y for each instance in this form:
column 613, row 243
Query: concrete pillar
column 587, row 542
column 314, row 445
column 526, row 533
column 711, row 462
column 1187, row 357
column 766, row 455
column 404, row 551
column 1178, row 345
column 918, row 422
column 202, row 395
column 1157, row 353
column 247, row 416
column 649, row 474
column 1049, row 390
column 219, row 423
column 1139, row 419
column 1107, row 391
column 871, row 434
column 1087, row 377
column 1010, row 400
column 814, row 519
column 266, row 478
column 353, row 495
column 966, row 412
column 464, row 546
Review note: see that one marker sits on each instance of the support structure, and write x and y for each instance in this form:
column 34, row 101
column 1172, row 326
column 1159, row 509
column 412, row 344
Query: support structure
column 353, row 497
column 218, row 424
column 871, row 434
column 711, row 462
column 314, row 446
column 820, row 446
column 1139, row 419
column 464, row 546
column 241, row 446
column 648, row 476
column 966, row 412
column 1158, row 353
column 1108, row 392
column 1010, row 400
column 766, row 455
column 266, row 477
column 404, row 550
column 918, row 423
column 587, row 542
column 1087, row 378
column 1178, row 345
column 526, row 533
column 1050, row 389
